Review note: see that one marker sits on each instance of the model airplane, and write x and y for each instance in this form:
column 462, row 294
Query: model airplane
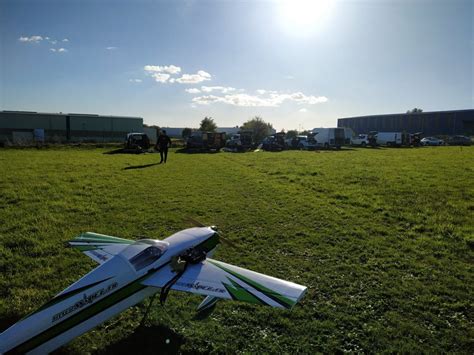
column 130, row 271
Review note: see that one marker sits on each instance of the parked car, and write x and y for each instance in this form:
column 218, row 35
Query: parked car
column 432, row 141
column 240, row 142
column 138, row 141
column 205, row 141
column 274, row 143
column 459, row 140
column 361, row 140
column 302, row 142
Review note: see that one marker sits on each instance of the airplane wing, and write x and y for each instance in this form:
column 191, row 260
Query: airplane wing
column 99, row 247
column 216, row 279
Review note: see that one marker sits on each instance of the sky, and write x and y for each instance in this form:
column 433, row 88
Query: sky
column 297, row 64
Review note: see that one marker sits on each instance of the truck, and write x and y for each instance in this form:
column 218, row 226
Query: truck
column 205, row 141
column 329, row 137
column 393, row 139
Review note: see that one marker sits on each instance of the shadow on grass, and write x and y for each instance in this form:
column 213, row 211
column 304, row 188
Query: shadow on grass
column 201, row 315
column 140, row 166
column 147, row 340
column 7, row 322
column 127, row 151
column 195, row 151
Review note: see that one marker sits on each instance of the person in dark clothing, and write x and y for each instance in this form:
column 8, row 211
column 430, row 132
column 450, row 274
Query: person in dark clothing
column 162, row 144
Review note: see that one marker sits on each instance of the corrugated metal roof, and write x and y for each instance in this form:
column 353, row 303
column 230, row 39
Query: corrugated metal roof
column 69, row 114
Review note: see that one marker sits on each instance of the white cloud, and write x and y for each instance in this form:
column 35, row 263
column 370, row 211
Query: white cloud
column 164, row 73
column 244, row 100
column 304, row 110
column 170, row 69
column 65, row 40
column 289, row 77
column 222, row 89
column 311, row 100
column 271, row 100
column 111, row 48
column 206, row 100
column 161, row 77
column 199, row 77
column 59, row 50
column 261, row 91
column 53, row 41
column 135, row 80
column 31, row 39
column 193, row 91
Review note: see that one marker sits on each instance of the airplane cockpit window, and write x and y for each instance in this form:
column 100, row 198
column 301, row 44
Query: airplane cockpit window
column 144, row 252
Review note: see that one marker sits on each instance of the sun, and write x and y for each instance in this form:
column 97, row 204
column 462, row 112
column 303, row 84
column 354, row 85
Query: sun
column 302, row 17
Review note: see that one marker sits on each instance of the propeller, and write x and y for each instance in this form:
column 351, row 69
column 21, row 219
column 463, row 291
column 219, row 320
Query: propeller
column 224, row 240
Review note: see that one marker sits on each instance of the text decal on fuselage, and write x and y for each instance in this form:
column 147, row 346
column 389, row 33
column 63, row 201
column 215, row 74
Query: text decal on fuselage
column 86, row 299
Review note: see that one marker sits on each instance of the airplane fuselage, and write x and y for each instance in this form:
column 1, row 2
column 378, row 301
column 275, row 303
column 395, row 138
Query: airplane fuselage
column 104, row 292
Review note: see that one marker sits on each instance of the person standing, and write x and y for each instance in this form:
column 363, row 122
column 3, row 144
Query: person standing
column 163, row 143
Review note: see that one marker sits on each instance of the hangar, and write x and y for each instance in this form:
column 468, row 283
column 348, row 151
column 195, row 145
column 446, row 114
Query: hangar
column 25, row 127
column 442, row 123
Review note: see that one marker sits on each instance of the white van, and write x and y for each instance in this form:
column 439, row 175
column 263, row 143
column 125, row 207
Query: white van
column 329, row 137
column 393, row 139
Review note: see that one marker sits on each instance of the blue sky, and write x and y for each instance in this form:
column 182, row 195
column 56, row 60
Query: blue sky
column 297, row 64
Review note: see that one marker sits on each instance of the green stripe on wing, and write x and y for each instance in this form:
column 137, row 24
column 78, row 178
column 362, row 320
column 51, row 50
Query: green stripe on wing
column 239, row 293
column 277, row 297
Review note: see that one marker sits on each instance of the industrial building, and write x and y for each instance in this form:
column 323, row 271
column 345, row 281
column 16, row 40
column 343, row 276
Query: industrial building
column 438, row 123
column 26, row 127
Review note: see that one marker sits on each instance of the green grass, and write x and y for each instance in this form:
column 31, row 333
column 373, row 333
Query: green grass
column 383, row 239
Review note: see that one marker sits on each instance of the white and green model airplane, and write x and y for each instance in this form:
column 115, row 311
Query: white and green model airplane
column 130, row 271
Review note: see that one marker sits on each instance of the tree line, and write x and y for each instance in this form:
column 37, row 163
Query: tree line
column 259, row 128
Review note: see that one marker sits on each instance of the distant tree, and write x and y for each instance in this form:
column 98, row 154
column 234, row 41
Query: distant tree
column 186, row 132
column 291, row 133
column 415, row 110
column 208, row 125
column 259, row 127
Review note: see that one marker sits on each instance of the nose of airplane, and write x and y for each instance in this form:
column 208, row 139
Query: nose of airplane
column 205, row 237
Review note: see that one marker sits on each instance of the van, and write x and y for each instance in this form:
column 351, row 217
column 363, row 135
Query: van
column 329, row 137
column 393, row 139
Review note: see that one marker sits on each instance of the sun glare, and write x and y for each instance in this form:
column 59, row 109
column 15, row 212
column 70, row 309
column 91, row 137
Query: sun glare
column 302, row 17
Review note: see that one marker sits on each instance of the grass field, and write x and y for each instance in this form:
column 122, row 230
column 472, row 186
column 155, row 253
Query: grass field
column 383, row 239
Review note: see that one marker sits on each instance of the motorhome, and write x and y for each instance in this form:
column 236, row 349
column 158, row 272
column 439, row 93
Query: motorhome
column 329, row 137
